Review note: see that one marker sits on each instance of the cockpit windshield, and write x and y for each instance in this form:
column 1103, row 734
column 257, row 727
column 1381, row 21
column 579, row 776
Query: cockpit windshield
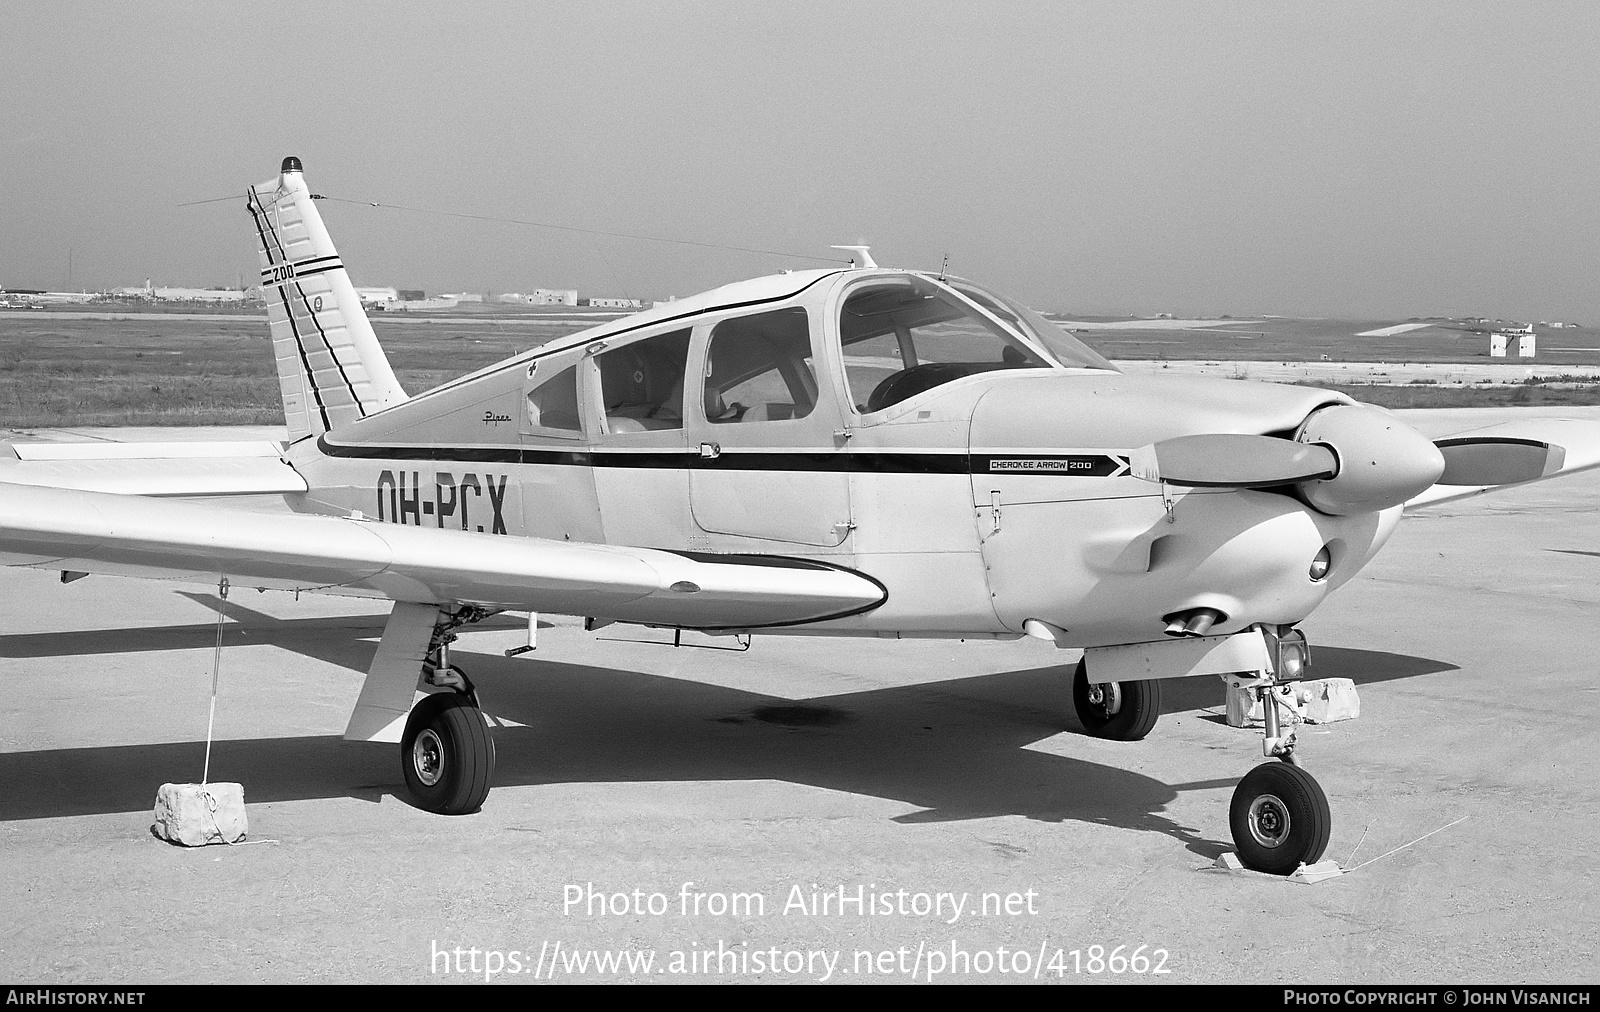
column 1068, row 350
column 903, row 335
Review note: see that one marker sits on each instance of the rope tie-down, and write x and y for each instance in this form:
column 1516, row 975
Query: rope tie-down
column 194, row 815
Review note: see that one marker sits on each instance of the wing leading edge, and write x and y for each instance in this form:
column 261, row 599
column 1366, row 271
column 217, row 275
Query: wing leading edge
column 93, row 532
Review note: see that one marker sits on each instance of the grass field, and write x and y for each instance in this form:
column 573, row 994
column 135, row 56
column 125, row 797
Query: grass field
column 205, row 372
column 177, row 369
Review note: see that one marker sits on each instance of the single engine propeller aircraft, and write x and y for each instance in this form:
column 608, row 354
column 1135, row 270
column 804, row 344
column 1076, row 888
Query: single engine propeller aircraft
column 849, row 452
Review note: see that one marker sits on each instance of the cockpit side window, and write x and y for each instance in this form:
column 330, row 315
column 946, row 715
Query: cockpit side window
column 758, row 369
column 641, row 384
column 904, row 335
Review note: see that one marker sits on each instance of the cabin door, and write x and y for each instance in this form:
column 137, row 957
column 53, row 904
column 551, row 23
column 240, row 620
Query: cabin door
column 769, row 465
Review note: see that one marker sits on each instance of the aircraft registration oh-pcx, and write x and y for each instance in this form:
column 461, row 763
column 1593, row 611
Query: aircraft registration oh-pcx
column 854, row 451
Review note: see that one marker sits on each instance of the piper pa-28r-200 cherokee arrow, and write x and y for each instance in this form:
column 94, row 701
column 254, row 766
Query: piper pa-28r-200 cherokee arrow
column 849, row 452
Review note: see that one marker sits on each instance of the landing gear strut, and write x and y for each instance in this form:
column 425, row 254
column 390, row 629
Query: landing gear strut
column 447, row 753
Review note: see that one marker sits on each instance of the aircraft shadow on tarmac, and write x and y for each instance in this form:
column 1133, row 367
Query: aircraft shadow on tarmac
column 955, row 749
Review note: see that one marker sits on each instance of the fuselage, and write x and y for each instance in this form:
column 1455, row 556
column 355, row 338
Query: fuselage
column 925, row 432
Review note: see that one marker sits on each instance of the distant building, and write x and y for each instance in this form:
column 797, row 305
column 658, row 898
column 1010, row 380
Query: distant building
column 438, row 302
column 553, row 297
column 412, row 295
column 197, row 295
column 377, row 298
column 465, row 296
column 611, row 303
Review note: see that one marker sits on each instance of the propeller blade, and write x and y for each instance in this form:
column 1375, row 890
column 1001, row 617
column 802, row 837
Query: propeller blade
column 1497, row 460
column 1228, row 460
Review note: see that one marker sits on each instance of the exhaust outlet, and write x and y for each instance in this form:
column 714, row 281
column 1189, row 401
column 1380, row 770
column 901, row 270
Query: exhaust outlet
column 1194, row 622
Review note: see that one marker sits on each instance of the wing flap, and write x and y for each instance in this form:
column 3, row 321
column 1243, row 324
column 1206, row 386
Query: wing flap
column 166, row 539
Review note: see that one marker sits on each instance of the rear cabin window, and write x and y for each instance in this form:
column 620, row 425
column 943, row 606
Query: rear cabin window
column 641, row 384
column 904, row 335
column 758, row 369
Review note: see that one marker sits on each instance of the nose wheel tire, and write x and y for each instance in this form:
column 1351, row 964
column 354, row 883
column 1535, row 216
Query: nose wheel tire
column 1120, row 711
column 1279, row 818
column 447, row 754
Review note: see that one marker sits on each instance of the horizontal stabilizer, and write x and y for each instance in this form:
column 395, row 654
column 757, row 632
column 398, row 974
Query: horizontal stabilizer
column 88, row 532
column 159, row 469
column 1231, row 460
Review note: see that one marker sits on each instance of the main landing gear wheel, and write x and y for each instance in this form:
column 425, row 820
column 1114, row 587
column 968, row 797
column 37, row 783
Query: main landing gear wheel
column 1120, row 711
column 447, row 754
column 1280, row 818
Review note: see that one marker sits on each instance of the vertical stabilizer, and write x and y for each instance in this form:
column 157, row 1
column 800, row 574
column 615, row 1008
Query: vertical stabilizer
column 330, row 368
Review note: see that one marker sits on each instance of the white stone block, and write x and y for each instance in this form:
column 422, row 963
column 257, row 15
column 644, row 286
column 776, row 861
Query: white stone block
column 1330, row 699
column 1311, row 874
column 195, row 815
column 1243, row 709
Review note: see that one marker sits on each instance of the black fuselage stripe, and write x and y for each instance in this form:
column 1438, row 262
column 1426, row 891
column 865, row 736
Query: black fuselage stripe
column 257, row 212
column 331, row 353
column 855, row 461
column 307, row 268
column 283, row 255
column 299, row 346
column 305, row 363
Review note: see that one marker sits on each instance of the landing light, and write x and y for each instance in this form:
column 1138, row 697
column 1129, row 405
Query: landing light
column 1291, row 654
column 1320, row 565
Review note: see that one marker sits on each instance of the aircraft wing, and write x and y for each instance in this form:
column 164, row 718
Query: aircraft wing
column 1509, row 454
column 122, row 535
column 162, row 469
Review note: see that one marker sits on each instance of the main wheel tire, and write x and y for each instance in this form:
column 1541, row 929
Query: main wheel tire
column 447, row 754
column 1120, row 711
column 1279, row 818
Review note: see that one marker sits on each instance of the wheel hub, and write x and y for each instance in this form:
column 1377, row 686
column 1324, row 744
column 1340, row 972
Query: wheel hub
column 1269, row 820
column 427, row 757
column 1107, row 696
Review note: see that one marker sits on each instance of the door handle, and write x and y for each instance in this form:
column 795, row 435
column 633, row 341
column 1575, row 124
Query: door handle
column 710, row 451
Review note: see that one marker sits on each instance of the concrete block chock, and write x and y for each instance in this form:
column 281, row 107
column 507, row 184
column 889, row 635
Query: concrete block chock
column 1330, row 699
column 194, row 815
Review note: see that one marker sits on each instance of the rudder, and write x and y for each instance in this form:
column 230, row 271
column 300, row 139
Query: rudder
column 331, row 369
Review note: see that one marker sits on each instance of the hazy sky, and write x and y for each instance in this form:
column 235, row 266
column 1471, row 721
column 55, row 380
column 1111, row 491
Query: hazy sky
column 1366, row 160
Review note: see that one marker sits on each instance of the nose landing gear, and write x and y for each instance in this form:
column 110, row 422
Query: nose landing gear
column 1279, row 815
